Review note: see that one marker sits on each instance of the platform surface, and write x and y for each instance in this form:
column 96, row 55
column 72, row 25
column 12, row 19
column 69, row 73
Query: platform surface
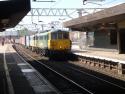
column 19, row 76
column 109, row 54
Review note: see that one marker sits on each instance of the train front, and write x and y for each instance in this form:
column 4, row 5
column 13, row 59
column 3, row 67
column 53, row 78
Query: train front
column 59, row 42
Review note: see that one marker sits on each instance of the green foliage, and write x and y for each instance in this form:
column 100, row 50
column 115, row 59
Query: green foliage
column 23, row 32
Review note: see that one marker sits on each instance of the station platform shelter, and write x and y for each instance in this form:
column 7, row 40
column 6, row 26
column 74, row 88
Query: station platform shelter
column 108, row 26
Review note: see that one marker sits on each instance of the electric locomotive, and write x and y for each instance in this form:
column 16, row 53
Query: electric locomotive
column 51, row 43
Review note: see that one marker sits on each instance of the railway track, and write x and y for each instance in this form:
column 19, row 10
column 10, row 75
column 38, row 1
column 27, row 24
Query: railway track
column 61, row 82
column 88, row 81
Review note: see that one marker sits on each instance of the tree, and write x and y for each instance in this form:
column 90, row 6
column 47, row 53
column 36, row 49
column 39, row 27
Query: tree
column 23, row 32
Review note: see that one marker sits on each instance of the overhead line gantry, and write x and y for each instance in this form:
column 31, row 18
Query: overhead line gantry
column 61, row 11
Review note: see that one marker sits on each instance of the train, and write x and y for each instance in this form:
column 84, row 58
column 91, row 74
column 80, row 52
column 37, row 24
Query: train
column 48, row 43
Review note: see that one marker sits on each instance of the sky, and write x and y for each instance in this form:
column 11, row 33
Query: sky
column 71, row 4
column 76, row 3
column 64, row 4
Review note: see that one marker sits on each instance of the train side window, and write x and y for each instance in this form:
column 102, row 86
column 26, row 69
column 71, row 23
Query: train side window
column 44, row 37
column 41, row 37
column 34, row 38
column 47, row 37
column 38, row 37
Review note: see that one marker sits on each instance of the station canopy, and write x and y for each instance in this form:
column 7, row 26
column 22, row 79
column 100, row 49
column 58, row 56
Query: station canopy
column 12, row 11
column 109, row 15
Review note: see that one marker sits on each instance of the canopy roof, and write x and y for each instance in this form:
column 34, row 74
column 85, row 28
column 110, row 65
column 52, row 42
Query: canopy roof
column 110, row 15
column 12, row 11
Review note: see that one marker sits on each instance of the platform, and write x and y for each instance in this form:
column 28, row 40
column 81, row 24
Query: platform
column 108, row 54
column 19, row 76
column 3, row 80
column 109, row 58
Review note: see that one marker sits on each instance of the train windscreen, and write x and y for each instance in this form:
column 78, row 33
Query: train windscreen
column 60, row 35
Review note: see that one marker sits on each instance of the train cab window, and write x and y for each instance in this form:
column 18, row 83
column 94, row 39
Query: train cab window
column 54, row 35
column 65, row 35
column 60, row 35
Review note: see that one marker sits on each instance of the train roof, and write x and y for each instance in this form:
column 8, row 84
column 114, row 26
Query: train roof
column 49, row 31
column 58, row 30
column 54, row 30
column 42, row 33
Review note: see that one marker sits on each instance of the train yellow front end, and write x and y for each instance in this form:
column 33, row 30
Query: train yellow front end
column 59, row 43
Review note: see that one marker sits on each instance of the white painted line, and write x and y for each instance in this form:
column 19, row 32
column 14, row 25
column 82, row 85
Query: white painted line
column 20, row 64
column 4, row 0
column 9, row 82
column 61, row 75
column 40, row 76
column 100, row 57
column 27, row 70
